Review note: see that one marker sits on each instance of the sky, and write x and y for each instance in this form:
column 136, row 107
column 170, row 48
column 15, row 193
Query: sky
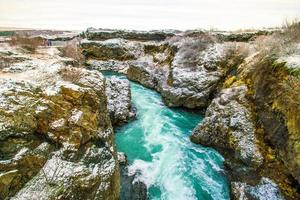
column 147, row 14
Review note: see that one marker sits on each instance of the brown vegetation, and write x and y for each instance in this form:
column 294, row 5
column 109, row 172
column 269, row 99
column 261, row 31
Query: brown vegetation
column 26, row 42
column 71, row 74
column 72, row 50
column 4, row 62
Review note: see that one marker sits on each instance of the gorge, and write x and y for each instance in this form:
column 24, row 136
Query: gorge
column 152, row 115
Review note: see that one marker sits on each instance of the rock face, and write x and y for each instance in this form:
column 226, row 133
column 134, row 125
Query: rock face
column 251, row 121
column 145, row 73
column 228, row 125
column 119, row 100
column 56, row 138
column 110, row 65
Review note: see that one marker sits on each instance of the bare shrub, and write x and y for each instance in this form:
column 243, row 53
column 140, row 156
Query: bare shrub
column 235, row 53
column 71, row 74
column 26, row 42
column 292, row 31
column 72, row 50
column 267, row 44
column 281, row 42
column 5, row 62
column 191, row 48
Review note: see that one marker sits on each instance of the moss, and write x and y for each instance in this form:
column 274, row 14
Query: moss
column 229, row 81
column 169, row 51
column 282, row 66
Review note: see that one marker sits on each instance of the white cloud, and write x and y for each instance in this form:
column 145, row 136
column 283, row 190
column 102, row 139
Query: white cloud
column 147, row 14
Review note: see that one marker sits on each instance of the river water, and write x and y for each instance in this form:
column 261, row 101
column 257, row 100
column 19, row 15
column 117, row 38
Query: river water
column 159, row 151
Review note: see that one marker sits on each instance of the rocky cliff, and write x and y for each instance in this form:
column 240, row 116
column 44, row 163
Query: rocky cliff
column 56, row 134
column 56, row 137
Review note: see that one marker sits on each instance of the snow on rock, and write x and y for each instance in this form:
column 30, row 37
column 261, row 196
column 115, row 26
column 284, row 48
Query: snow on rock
column 228, row 125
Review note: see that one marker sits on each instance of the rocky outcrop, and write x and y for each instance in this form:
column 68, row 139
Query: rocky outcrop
column 228, row 125
column 105, row 34
column 194, row 74
column 113, row 49
column 119, row 100
column 251, row 115
column 183, row 68
column 56, row 136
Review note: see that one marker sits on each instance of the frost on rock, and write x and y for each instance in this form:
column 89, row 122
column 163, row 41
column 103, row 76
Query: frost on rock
column 266, row 189
column 195, row 74
column 119, row 100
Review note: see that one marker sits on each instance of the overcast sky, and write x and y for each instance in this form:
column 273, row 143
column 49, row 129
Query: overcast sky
column 147, row 14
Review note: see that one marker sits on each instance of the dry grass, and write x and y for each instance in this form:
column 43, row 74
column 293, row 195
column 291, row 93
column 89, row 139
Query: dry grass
column 72, row 50
column 292, row 31
column 235, row 54
column 26, row 42
column 191, row 48
column 279, row 43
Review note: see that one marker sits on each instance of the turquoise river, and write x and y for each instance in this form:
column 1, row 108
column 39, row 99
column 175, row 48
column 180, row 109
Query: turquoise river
column 159, row 150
